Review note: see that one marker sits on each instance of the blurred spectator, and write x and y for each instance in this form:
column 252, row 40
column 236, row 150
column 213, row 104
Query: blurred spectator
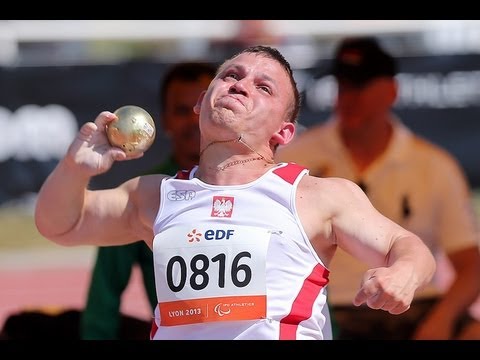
column 101, row 318
column 409, row 179
column 248, row 32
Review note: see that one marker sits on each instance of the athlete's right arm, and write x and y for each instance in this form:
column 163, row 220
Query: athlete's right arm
column 70, row 214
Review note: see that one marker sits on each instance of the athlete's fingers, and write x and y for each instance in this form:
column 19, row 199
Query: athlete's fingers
column 87, row 130
column 128, row 157
column 399, row 309
column 104, row 118
column 368, row 289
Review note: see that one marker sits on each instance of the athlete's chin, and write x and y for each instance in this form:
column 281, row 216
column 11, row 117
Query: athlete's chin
column 224, row 115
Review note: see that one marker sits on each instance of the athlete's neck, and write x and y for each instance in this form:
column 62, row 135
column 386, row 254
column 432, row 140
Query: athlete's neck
column 240, row 168
column 237, row 161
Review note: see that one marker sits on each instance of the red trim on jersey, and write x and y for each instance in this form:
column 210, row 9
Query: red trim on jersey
column 302, row 305
column 289, row 172
column 183, row 174
column 153, row 330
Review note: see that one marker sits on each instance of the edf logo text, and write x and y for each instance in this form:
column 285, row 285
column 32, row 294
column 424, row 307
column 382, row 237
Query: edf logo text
column 218, row 234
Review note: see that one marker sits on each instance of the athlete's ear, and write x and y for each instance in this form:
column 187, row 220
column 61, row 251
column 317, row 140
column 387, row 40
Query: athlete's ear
column 198, row 105
column 284, row 135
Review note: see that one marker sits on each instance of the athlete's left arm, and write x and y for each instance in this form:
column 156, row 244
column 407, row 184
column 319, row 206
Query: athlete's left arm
column 399, row 260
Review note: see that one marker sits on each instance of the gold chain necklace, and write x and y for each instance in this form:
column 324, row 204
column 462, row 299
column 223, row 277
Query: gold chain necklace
column 236, row 162
column 220, row 142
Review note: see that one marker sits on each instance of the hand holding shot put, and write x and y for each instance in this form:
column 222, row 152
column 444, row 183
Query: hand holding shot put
column 241, row 244
column 122, row 135
column 89, row 155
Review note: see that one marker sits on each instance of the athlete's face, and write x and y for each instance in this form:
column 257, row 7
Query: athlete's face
column 251, row 95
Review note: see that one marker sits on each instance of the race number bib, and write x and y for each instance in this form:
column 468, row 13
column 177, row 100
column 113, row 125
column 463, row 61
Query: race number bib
column 209, row 274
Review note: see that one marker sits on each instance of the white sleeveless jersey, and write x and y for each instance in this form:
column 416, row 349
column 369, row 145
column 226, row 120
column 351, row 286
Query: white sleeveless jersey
column 233, row 262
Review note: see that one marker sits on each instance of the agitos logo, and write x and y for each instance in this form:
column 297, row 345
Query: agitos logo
column 221, row 310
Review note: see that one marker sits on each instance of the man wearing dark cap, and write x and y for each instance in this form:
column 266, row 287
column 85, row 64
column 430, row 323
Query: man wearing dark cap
column 410, row 180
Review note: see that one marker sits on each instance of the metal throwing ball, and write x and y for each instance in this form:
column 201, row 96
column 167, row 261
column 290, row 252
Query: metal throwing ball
column 133, row 132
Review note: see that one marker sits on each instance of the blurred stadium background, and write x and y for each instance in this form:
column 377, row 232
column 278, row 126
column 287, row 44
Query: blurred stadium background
column 57, row 74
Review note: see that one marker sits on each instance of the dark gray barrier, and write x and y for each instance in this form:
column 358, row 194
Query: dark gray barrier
column 37, row 106
column 41, row 108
